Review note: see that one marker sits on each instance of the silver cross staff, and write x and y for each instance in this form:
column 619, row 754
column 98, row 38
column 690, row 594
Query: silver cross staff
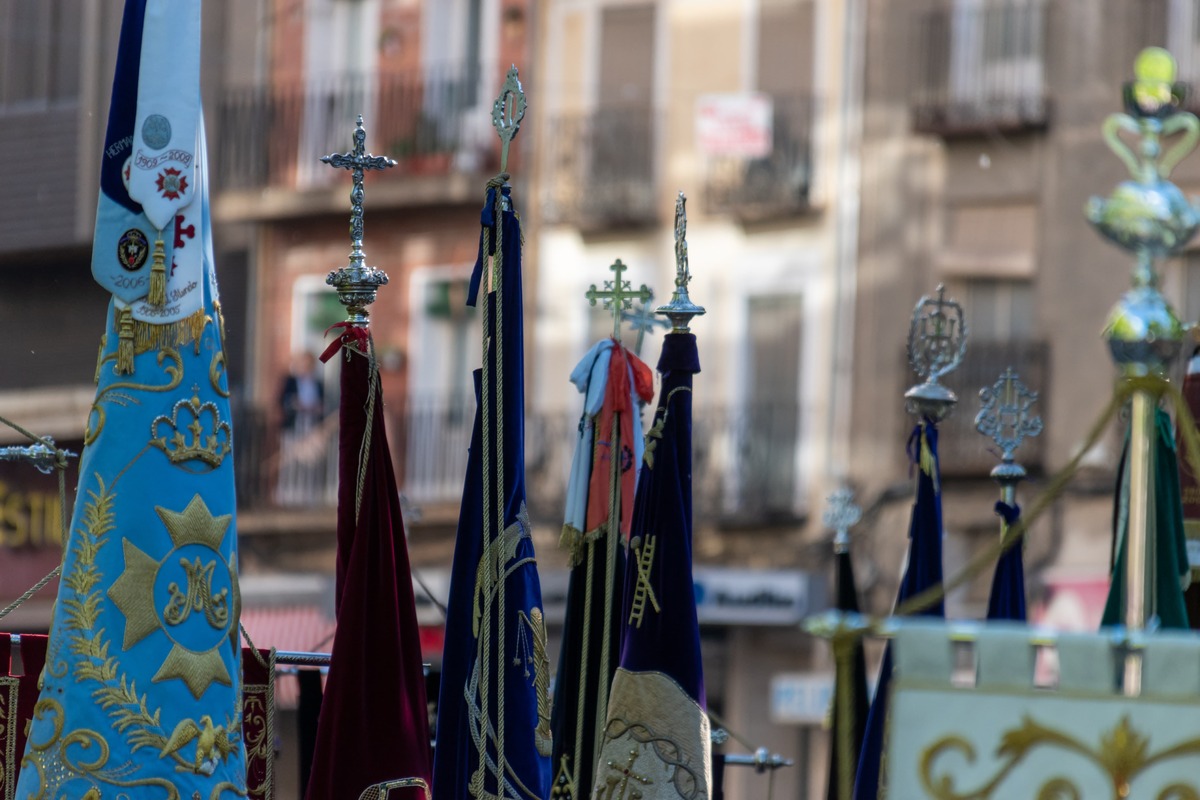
column 641, row 319
column 840, row 516
column 618, row 295
column 357, row 284
column 681, row 309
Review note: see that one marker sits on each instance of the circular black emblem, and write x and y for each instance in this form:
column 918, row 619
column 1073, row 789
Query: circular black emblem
column 156, row 131
column 132, row 249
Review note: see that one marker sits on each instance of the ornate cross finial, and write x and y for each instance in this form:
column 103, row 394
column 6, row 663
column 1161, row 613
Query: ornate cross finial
column 507, row 112
column 356, row 283
column 1007, row 417
column 681, row 309
column 641, row 318
column 937, row 342
column 841, row 514
column 617, row 296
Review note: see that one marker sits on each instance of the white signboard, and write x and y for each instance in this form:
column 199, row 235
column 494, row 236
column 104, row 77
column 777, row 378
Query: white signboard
column 752, row 597
column 738, row 125
column 801, row 697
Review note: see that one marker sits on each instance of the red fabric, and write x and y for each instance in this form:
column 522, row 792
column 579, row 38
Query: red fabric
column 617, row 401
column 256, row 722
column 15, row 716
column 374, row 723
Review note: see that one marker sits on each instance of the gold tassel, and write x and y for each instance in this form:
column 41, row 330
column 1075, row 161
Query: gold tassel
column 125, row 342
column 158, row 276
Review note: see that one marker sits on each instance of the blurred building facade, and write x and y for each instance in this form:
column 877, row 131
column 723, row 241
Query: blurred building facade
column 742, row 106
column 841, row 158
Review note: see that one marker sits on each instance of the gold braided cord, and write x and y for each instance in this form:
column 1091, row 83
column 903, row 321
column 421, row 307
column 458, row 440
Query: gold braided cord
column 614, row 535
column 364, row 448
column 589, row 565
column 497, row 287
column 485, row 643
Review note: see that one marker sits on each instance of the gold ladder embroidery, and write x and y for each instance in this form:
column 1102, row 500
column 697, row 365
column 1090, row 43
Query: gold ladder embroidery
column 643, row 591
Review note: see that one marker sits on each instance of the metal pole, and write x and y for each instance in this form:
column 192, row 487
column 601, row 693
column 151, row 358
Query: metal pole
column 1143, row 333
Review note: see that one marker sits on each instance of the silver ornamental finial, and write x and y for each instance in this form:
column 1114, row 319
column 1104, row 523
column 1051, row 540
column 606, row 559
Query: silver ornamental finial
column 1148, row 215
column 937, row 342
column 641, row 318
column 507, row 112
column 681, row 309
column 1007, row 417
column 618, row 296
column 357, row 284
column 42, row 457
column 841, row 514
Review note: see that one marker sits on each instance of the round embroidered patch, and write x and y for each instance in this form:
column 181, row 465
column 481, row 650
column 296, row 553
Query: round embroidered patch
column 132, row 249
column 156, row 131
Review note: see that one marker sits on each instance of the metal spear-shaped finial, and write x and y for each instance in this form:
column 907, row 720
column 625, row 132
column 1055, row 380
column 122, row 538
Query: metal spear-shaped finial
column 937, row 342
column 681, row 309
column 357, row 284
column 618, row 295
column 507, row 112
column 841, row 514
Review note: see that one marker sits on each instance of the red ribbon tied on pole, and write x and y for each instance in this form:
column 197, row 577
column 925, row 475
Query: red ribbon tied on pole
column 351, row 333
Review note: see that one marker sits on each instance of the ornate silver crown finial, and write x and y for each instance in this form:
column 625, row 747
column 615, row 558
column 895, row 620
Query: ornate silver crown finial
column 937, row 342
column 618, row 295
column 1007, row 417
column 357, row 284
column 681, row 309
column 841, row 514
column 507, row 113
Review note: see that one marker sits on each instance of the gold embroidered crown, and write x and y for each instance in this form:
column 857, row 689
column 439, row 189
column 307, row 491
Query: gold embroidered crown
column 210, row 439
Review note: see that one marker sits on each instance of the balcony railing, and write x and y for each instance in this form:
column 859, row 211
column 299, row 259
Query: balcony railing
column 776, row 185
column 744, row 461
column 978, row 66
column 274, row 136
column 601, row 169
column 963, row 450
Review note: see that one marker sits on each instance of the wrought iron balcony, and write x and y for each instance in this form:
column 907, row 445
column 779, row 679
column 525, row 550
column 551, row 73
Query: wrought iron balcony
column 744, row 467
column 602, row 169
column 274, row 136
column 979, row 66
column 964, row 451
column 772, row 186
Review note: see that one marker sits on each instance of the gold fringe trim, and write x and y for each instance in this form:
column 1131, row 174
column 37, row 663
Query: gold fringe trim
column 573, row 540
column 174, row 334
column 158, row 276
column 125, row 327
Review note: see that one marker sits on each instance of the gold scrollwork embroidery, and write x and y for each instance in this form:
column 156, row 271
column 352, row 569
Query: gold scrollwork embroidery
column 118, row 392
column 215, row 370
column 1122, row 755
